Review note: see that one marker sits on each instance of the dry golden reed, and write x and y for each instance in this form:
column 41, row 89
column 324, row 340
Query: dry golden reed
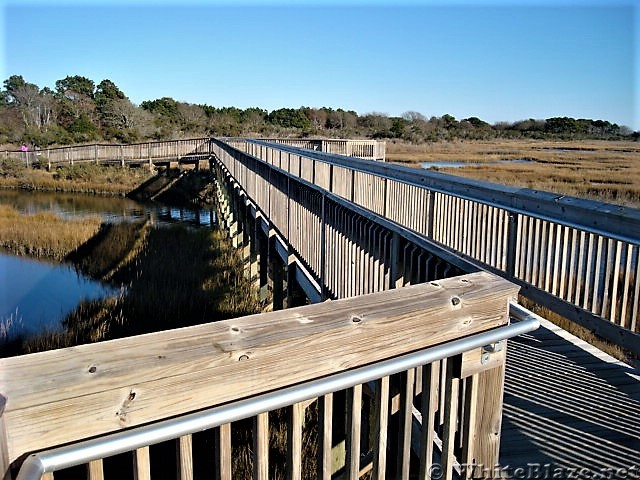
column 79, row 178
column 600, row 170
column 44, row 234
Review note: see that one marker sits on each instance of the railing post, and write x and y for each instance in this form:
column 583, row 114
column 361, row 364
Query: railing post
column 277, row 275
column 489, row 416
column 263, row 259
column 395, row 277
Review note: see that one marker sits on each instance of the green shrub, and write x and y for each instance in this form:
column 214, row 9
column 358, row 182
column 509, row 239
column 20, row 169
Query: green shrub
column 12, row 168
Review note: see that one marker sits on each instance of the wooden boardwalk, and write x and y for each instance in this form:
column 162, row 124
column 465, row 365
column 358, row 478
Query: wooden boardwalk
column 570, row 405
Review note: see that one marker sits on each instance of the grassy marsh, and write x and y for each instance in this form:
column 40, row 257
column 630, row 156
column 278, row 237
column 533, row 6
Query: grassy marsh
column 44, row 235
column 601, row 170
column 79, row 178
column 169, row 277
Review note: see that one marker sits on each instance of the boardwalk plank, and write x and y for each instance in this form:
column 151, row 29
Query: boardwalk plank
column 568, row 404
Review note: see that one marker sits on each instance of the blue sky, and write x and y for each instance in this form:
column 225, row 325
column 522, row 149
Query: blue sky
column 498, row 60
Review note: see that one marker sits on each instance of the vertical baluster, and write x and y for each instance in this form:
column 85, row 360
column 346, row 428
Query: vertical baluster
column 636, row 295
column 481, row 241
column 442, row 373
column 589, row 267
column 261, row 446
column 527, row 241
column 381, row 425
column 294, row 441
column 581, row 268
column 572, row 266
column 566, row 257
column 185, row 458
column 95, row 470
column 625, row 287
column 597, row 299
column 494, row 232
column 552, row 287
column 617, row 259
column 354, row 419
column 470, row 419
column 451, row 385
column 325, row 417
column 141, row 464
column 607, row 299
column 536, row 251
column 407, row 420
column 428, row 407
column 445, row 220
column 222, row 452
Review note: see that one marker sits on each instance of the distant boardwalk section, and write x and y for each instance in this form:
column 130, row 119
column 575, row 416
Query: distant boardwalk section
column 184, row 151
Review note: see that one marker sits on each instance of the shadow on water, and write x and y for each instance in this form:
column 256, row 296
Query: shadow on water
column 166, row 273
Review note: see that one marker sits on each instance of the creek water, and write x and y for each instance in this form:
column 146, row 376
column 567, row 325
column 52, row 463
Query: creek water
column 445, row 164
column 37, row 295
column 110, row 209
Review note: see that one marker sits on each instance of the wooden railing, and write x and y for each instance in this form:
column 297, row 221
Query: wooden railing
column 151, row 152
column 175, row 150
column 346, row 249
column 365, row 149
column 580, row 258
column 62, row 396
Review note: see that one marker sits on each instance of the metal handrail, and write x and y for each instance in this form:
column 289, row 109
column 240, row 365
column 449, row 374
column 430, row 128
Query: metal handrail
column 83, row 452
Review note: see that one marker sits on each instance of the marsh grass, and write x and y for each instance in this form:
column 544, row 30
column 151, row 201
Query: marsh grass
column 44, row 235
column 599, row 170
column 79, row 178
column 169, row 277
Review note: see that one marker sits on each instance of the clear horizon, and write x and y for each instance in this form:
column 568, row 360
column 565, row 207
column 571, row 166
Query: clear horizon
column 496, row 60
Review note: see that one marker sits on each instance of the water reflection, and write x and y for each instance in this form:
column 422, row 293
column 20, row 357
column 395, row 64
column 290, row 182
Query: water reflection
column 111, row 209
column 39, row 294
column 36, row 294
column 445, row 164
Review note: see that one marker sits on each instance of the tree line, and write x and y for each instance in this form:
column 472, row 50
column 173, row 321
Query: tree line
column 77, row 110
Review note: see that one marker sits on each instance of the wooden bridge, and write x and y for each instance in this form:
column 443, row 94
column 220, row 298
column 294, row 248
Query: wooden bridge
column 404, row 374
column 179, row 152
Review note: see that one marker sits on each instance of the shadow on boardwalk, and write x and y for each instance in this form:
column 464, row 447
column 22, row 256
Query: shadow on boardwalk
column 569, row 405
